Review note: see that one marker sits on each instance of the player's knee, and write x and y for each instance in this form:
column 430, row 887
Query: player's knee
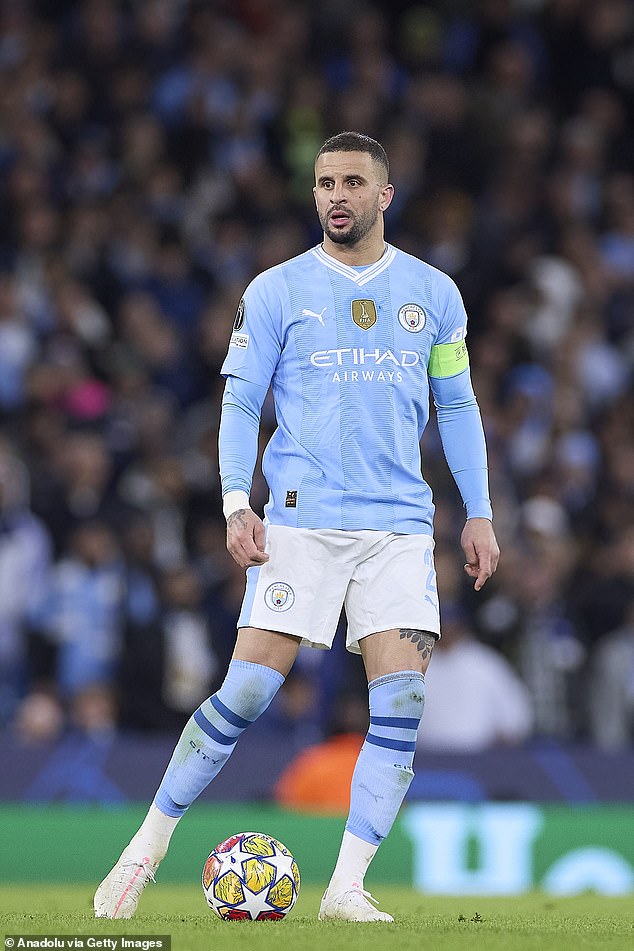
column 402, row 696
column 253, row 698
column 409, row 702
column 248, row 689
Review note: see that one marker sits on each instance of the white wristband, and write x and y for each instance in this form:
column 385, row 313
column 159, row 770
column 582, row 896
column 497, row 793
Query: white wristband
column 233, row 501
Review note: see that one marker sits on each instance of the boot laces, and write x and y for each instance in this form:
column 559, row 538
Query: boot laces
column 138, row 883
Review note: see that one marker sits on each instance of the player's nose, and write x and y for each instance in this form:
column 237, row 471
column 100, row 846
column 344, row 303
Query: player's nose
column 337, row 195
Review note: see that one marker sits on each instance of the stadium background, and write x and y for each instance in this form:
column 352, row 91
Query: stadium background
column 155, row 156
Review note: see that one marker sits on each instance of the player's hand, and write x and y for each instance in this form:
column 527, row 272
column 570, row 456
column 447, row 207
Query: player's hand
column 481, row 550
column 245, row 538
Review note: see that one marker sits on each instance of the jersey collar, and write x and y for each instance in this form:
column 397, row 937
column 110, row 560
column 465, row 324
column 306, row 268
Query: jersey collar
column 359, row 276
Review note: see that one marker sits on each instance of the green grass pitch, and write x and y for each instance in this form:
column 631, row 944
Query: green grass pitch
column 533, row 921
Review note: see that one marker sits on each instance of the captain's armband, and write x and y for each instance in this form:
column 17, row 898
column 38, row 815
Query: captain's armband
column 448, row 359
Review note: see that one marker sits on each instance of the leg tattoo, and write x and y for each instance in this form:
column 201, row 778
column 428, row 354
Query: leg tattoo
column 423, row 639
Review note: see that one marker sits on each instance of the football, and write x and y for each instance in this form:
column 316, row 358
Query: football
column 251, row 877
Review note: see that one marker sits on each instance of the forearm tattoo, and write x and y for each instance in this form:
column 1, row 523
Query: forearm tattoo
column 423, row 639
column 237, row 518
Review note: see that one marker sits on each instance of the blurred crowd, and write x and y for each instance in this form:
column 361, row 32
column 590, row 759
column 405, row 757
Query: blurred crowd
column 156, row 155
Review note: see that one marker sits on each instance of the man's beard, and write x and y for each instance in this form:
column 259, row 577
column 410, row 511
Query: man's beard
column 359, row 228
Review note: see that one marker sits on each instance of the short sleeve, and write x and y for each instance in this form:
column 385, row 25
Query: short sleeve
column 255, row 344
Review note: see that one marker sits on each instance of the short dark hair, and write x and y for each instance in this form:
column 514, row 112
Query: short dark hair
column 356, row 142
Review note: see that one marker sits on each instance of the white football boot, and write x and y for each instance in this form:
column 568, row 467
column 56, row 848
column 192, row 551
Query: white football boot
column 119, row 893
column 351, row 905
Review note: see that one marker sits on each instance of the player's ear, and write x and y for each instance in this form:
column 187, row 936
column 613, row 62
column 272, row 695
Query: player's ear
column 315, row 194
column 385, row 199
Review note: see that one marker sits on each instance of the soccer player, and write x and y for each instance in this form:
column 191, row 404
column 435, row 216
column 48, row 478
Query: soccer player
column 350, row 335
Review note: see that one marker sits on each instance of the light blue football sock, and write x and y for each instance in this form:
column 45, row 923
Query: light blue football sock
column 384, row 767
column 210, row 735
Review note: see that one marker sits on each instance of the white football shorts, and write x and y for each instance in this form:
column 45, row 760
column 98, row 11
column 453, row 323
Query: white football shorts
column 383, row 580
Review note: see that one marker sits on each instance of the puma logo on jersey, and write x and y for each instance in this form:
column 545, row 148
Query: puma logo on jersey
column 311, row 313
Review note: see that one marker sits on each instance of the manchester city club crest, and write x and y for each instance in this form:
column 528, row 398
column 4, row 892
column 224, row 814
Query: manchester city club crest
column 279, row 596
column 412, row 317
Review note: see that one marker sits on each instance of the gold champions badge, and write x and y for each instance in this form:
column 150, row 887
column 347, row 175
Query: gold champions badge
column 364, row 313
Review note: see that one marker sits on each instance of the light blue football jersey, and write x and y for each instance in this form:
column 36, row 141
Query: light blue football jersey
column 348, row 352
